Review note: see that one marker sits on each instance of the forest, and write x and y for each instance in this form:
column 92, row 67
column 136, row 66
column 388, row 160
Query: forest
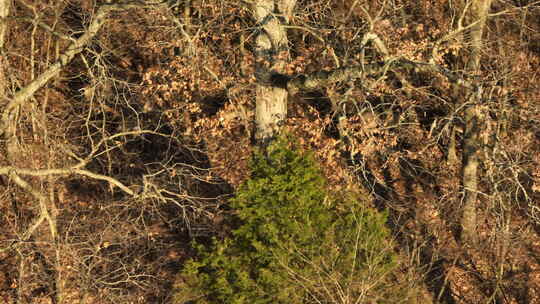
column 270, row 151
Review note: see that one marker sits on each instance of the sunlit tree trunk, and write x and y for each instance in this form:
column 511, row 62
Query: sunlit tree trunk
column 478, row 13
column 4, row 12
column 271, row 52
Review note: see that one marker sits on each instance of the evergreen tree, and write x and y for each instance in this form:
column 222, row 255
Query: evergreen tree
column 296, row 242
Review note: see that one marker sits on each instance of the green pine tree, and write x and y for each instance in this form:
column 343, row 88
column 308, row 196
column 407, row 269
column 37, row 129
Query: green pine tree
column 297, row 243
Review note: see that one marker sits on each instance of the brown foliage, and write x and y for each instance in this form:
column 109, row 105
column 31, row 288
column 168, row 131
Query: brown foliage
column 192, row 84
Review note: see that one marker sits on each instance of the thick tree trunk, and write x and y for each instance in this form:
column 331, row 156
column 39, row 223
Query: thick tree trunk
column 479, row 10
column 272, row 53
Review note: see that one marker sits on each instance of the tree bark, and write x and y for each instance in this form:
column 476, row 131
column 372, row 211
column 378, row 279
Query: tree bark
column 4, row 13
column 271, row 53
column 479, row 10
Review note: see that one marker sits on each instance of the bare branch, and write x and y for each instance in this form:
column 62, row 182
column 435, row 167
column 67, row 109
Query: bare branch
column 325, row 78
column 64, row 171
column 75, row 48
column 43, row 209
column 78, row 168
column 460, row 28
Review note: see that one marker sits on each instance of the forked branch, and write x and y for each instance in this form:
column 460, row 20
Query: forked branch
column 75, row 48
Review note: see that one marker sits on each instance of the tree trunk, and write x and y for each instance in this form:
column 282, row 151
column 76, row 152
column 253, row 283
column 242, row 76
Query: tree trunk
column 4, row 13
column 479, row 10
column 271, row 53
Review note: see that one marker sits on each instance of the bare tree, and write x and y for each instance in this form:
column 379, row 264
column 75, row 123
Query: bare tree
column 42, row 181
column 274, row 87
column 272, row 96
column 73, row 124
column 479, row 10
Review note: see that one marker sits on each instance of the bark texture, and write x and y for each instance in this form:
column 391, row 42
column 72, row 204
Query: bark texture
column 479, row 10
column 4, row 12
column 323, row 79
column 272, row 53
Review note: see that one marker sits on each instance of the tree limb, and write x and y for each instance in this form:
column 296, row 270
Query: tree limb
column 325, row 78
column 75, row 48
column 43, row 209
column 10, row 170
